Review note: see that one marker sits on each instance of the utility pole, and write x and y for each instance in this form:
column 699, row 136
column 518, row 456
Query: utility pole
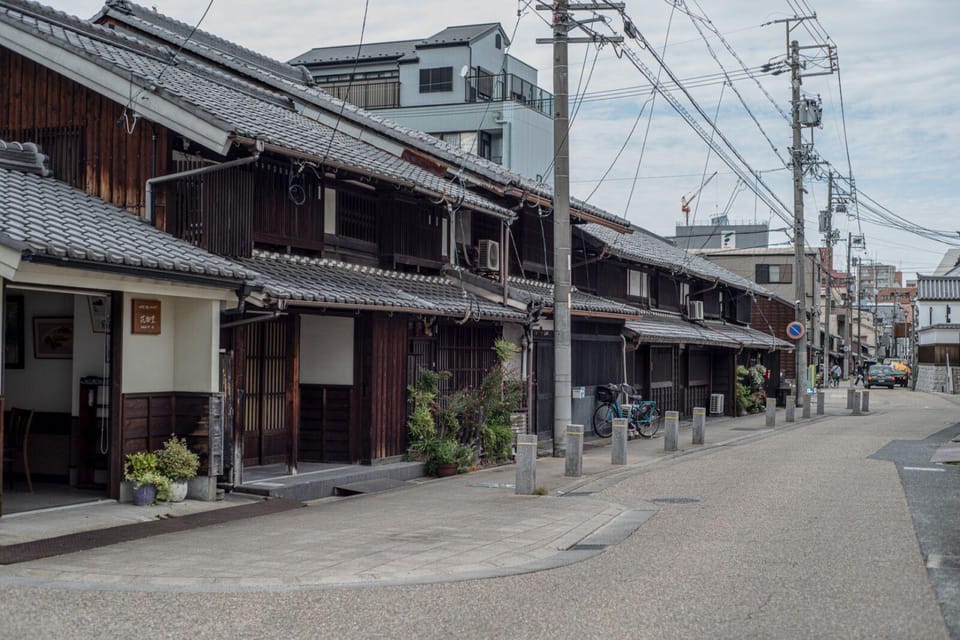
column 798, row 240
column 806, row 113
column 849, row 324
column 563, row 23
column 827, row 230
column 859, row 310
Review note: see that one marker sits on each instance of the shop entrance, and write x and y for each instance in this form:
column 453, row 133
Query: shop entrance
column 56, row 398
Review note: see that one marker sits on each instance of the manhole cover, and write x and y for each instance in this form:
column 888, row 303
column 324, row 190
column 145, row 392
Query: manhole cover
column 676, row 500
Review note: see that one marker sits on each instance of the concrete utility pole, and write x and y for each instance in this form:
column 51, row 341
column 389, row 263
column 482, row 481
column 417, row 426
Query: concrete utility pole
column 828, row 237
column 798, row 239
column 849, row 328
column 563, row 23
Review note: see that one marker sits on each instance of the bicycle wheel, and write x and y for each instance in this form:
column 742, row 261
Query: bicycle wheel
column 649, row 429
column 603, row 420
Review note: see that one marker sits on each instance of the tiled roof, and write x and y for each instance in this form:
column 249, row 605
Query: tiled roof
column 580, row 301
column 44, row 217
column 647, row 248
column 398, row 50
column 748, row 336
column 225, row 102
column 938, row 288
column 395, row 49
column 664, row 328
column 23, row 157
column 324, row 282
column 177, row 32
column 232, row 56
column 460, row 33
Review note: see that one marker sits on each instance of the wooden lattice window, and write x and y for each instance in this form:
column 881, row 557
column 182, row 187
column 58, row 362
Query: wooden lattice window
column 356, row 216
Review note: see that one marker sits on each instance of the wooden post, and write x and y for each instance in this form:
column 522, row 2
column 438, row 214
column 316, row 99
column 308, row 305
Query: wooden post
column 293, row 391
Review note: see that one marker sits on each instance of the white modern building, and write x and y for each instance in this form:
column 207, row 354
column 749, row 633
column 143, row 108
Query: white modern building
column 459, row 85
column 938, row 333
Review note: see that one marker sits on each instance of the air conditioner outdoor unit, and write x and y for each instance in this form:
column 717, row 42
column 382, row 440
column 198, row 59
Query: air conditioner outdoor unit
column 716, row 403
column 695, row 310
column 489, row 251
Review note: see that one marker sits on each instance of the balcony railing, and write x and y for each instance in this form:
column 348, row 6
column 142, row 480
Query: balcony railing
column 487, row 87
column 367, row 95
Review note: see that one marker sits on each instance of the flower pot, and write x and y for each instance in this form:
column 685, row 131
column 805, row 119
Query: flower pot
column 144, row 494
column 178, row 490
column 447, row 469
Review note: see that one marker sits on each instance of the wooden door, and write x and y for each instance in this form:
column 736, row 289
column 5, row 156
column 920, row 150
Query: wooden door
column 266, row 433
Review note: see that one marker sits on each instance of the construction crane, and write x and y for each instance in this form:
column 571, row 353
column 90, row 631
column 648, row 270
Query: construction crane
column 690, row 197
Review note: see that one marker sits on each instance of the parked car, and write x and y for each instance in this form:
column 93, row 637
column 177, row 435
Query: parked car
column 880, row 375
column 900, row 376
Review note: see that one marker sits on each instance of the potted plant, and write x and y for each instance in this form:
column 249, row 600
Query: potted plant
column 445, row 456
column 141, row 469
column 179, row 464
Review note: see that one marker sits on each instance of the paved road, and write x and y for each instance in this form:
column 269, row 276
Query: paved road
column 804, row 532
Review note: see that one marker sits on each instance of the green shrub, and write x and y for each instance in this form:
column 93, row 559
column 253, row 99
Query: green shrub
column 496, row 440
column 176, row 461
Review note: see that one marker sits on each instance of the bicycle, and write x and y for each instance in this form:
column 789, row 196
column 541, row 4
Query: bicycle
column 645, row 418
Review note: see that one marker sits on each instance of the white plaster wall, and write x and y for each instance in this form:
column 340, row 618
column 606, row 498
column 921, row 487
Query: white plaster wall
column 326, row 350
column 939, row 312
column 89, row 349
column 44, row 384
column 196, row 364
column 527, row 140
column 455, row 57
column 148, row 361
column 184, row 357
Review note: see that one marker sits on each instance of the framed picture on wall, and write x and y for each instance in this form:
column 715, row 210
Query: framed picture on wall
column 99, row 314
column 13, row 332
column 52, row 338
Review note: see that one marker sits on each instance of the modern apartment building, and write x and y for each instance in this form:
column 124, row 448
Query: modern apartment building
column 458, row 84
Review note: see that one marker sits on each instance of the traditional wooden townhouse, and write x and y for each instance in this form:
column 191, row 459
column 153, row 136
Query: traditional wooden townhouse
column 695, row 329
column 111, row 338
column 362, row 249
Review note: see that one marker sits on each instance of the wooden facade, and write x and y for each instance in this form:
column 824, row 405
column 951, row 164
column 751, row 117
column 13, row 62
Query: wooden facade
column 84, row 133
column 776, row 315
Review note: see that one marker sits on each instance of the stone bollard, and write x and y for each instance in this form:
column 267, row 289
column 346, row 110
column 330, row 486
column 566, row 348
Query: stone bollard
column 821, row 399
column 791, row 410
column 771, row 413
column 699, row 424
column 574, row 460
column 865, row 401
column 671, row 433
column 526, row 465
column 805, row 412
column 857, row 399
column 618, row 453
column 850, row 392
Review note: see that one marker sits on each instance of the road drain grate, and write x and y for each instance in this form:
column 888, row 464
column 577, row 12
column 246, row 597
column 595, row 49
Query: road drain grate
column 588, row 547
column 676, row 500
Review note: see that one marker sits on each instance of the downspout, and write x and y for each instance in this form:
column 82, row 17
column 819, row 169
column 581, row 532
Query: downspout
column 623, row 339
column 191, row 172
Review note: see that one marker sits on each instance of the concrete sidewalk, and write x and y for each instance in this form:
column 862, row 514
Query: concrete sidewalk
column 468, row 526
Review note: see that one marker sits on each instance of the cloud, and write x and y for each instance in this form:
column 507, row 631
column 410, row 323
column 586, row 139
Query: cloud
column 897, row 67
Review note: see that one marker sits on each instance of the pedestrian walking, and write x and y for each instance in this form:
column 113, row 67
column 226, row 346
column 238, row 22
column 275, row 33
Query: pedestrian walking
column 835, row 375
column 859, row 379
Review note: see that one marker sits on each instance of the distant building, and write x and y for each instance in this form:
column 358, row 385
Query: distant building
column 457, row 84
column 938, row 333
column 718, row 234
column 950, row 264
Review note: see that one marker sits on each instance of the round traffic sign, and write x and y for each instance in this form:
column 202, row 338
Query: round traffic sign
column 795, row 330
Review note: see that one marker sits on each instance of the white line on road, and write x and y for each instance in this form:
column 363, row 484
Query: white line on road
column 922, row 469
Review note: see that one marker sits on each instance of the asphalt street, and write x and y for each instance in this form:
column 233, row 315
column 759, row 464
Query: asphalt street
column 813, row 530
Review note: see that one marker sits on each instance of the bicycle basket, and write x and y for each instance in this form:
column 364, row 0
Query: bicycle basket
column 604, row 394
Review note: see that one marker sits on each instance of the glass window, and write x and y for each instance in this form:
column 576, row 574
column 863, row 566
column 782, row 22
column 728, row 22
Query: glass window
column 436, row 79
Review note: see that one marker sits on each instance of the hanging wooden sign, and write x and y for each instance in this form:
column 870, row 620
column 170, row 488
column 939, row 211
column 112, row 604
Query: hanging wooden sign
column 146, row 317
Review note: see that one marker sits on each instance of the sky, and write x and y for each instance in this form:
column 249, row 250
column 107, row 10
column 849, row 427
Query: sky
column 888, row 110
